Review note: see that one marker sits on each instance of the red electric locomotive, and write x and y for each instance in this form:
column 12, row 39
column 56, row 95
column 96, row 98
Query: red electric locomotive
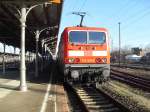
column 84, row 54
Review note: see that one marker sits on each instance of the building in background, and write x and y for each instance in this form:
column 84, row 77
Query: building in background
column 136, row 51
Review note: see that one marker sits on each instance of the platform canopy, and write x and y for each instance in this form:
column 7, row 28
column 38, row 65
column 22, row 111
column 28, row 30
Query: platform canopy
column 46, row 15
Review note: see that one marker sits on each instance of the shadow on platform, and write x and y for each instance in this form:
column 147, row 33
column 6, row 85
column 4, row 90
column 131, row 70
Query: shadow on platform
column 42, row 79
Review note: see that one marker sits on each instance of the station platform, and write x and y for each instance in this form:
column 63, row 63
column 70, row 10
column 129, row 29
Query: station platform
column 41, row 96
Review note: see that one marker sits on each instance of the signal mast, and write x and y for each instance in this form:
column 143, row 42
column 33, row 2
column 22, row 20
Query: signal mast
column 82, row 15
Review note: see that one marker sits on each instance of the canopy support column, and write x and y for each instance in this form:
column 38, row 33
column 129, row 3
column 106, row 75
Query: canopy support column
column 23, row 85
column 37, row 49
column 4, row 68
column 14, row 56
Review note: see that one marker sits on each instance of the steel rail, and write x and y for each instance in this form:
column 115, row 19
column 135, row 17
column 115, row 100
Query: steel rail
column 95, row 100
column 136, row 81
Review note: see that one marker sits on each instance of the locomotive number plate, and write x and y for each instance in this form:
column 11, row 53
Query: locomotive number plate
column 87, row 53
column 87, row 60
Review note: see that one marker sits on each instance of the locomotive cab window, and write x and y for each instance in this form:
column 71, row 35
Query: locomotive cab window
column 78, row 37
column 97, row 38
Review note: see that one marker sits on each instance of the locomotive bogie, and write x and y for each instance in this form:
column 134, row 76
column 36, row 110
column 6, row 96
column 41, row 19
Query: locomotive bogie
column 87, row 73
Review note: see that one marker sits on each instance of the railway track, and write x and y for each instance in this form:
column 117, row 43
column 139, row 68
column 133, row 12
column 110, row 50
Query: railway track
column 141, row 67
column 91, row 99
column 131, row 79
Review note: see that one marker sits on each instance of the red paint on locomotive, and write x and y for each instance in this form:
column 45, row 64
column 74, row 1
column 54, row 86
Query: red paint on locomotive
column 82, row 55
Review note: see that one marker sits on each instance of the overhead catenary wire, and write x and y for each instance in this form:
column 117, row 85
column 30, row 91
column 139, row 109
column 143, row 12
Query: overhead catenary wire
column 82, row 14
column 73, row 8
column 68, row 4
column 132, row 17
column 82, row 6
column 118, row 11
column 125, row 8
column 122, row 8
column 75, row 5
column 135, row 14
column 136, row 19
column 128, row 8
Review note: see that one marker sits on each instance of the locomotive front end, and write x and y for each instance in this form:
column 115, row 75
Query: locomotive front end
column 87, row 55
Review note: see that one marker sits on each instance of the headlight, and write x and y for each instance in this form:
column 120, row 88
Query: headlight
column 104, row 60
column 71, row 60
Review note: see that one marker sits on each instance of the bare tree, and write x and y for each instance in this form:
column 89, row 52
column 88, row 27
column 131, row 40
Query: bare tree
column 126, row 50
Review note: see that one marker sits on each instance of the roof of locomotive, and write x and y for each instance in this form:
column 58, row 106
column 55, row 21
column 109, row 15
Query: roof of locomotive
column 85, row 28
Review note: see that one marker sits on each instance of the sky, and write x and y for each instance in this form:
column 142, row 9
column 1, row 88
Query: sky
column 134, row 16
column 9, row 49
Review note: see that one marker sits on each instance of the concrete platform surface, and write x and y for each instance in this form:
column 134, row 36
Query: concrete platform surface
column 40, row 97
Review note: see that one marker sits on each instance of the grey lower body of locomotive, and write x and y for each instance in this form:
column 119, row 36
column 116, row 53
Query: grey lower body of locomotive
column 87, row 72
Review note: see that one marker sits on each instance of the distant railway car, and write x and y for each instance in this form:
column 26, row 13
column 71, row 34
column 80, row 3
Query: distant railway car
column 84, row 54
